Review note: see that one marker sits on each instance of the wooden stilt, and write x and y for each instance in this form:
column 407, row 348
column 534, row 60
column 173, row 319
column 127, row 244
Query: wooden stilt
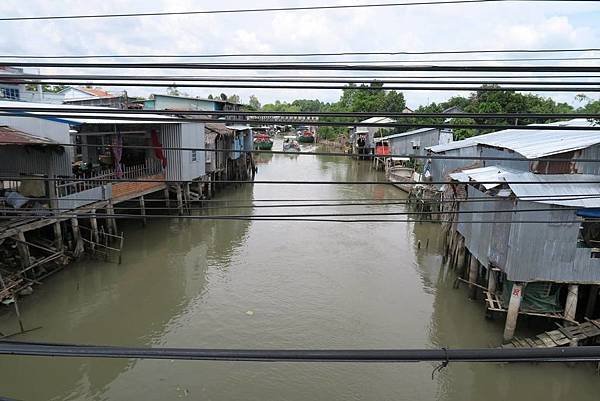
column 571, row 303
column 23, row 249
column 186, row 195
column 78, row 245
column 94, row 227
column 473, row 273
column 179, row 199
column 462, row 250
column 492, row 280
column 143, row 210
column 592, row 299
column 167, row 198
column 513, row 311
column 112, row 222
column 58, row 238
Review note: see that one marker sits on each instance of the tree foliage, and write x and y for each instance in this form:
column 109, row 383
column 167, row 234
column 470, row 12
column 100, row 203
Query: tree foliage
column 377, row 99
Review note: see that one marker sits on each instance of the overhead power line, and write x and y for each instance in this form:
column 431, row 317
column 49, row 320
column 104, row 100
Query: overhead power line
column 313, row 54
column 384, row 61
column 306, row 67
column 284, row 114
column 592, row 88
column 62, row 79
column 67, row 117
column 269, row 9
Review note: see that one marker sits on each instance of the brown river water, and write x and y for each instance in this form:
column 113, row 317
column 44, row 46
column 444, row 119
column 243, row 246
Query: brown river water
column 255, row 284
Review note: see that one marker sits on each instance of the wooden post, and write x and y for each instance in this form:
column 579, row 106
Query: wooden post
column 78, row 248
column 179, row 199
column 513, row 311
column 58, row 238
column 186, row 195
column 473, row 273
column 143, row 210
column 23, row 249
column 112, row 221
column 571, row 303
column 94, row 227
column 167, row 197
column 462, row 250
column 591, row 305
column 492, row 280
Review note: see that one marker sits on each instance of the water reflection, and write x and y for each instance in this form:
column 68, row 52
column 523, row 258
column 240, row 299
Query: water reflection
column 249, row 284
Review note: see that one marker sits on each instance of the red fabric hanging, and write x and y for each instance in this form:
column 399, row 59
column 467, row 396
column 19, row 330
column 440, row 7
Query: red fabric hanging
column 158, row 150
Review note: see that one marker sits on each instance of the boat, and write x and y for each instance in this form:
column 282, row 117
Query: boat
column 290, row 144
column 305, row 135
column 398, row 172
column 262, row 141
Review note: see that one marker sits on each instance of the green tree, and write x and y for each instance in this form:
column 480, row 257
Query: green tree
column 254, row 103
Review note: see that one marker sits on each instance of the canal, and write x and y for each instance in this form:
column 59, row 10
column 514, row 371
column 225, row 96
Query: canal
column 256, row 284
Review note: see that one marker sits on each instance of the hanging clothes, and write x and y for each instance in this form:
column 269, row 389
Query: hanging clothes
column 158, row 150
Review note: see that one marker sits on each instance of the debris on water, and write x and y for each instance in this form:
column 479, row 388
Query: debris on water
column 249, row 313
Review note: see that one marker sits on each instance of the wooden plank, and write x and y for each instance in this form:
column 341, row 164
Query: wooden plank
column 548, row 342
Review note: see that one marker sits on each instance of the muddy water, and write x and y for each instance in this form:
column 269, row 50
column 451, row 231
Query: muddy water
column 228, row 284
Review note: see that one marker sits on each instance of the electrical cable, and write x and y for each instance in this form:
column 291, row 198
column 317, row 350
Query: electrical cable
column 268, row 9
column 61, row 79
column 491, row 88
column 97, row 110
column 313, row 54
column 69, row 117
column 309, row 67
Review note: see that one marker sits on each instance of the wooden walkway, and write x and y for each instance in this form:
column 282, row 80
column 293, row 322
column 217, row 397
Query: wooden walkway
column 494, row 304
column 560, row 337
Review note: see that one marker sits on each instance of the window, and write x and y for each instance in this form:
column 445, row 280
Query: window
column 194, row 156
column 589, row 236
column 10, row 93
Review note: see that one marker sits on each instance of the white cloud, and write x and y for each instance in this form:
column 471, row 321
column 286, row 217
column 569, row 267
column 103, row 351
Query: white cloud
column 445, row 27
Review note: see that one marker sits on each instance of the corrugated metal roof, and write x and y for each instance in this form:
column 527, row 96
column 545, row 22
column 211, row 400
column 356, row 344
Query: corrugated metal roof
column 11, row 136
column 546, row 190
column 575, row 190
column 239, row 127
column 219, row 128
column 408, row 133
column 534, row 143
column 483, row 174
column 120, row 118
column 378, row 120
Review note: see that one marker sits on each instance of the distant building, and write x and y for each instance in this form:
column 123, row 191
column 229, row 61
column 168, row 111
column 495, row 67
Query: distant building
column 8, row 90
column 414, row 143
column 87, row 96
column 528, row 144
column 181, row 103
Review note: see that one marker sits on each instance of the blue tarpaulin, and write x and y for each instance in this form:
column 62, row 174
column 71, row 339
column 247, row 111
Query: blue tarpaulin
column 593, row 213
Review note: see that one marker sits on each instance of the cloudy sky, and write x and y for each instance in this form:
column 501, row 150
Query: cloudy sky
column 507, row 25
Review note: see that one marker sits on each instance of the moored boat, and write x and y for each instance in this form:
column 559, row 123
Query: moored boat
column 262, row 141
column 305, row 135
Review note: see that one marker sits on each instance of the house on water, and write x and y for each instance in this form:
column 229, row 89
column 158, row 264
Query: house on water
column 525, row 226
column 221, row 165
column 363, row 137
column 63, row 174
